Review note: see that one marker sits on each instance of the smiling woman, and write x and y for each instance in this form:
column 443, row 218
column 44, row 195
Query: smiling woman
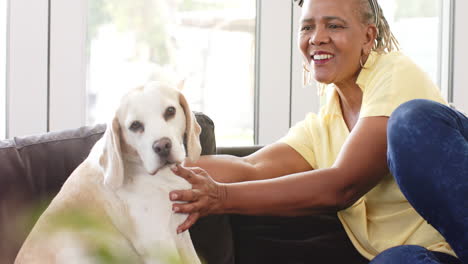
column 344, row 30
column 422, row 28
column 336, row 160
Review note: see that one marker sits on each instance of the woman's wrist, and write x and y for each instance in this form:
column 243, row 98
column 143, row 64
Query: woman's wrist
column 223, row 198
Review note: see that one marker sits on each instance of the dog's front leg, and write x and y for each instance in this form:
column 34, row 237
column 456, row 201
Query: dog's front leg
column 186, row 249
column 183, row 242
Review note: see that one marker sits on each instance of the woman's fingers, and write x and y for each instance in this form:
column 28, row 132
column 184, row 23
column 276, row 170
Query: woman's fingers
column 191, row 220
column 183, row 172
column 204, row 198
column 200, row 171
column 193, row 175
column 184, row 195
column 187, row 208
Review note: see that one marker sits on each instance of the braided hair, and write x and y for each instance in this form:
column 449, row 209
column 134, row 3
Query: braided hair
column 371, row 13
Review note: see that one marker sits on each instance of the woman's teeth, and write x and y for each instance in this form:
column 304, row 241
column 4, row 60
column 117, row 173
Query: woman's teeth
column 322, row 57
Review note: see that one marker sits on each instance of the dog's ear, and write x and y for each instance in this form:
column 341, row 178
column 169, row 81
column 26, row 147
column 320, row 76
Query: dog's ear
column 181, row 85
column 111, row 157
column 192, row 131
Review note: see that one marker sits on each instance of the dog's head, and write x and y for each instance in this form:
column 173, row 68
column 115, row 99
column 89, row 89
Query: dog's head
column 150, row 126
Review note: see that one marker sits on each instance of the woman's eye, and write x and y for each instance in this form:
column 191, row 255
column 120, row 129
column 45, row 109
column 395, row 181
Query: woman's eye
column 136, row 126
column 334, row 26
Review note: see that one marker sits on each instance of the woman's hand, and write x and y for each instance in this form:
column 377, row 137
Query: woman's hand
column 206, row 196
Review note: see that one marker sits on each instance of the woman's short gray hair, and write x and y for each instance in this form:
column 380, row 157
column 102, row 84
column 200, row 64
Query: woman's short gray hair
column 371, row 13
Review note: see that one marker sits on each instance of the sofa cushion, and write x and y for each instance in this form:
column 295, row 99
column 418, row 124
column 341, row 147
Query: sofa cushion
column 292, row 240
column 302, row 239
column 33, row 169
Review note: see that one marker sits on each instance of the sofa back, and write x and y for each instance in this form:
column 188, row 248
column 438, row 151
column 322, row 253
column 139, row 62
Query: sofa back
column 33, row 169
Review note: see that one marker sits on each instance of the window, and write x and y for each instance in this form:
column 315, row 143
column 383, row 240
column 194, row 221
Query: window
column 3, row 50
column 210, row 43
column 216, row 44
column 418, row 26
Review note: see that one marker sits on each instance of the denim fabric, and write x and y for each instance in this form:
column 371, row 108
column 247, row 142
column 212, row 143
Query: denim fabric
column 413, row 255
column 428, row 156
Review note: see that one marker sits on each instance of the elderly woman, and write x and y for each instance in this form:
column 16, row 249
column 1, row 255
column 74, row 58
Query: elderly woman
column 412, row 209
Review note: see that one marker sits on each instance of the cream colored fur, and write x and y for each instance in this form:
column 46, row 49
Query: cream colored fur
column 119, row 196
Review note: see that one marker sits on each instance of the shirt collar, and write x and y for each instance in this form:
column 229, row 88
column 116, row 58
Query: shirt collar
column 366, row 71
column 331, row 101
column 330, row 96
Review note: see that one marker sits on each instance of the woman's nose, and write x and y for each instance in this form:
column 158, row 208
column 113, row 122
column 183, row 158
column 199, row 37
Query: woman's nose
column 319, row 37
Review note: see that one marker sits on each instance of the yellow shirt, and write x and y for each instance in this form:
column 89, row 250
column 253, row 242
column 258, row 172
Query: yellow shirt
column 382, row 218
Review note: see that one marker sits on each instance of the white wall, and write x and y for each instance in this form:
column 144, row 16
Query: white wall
column 27, row 76
column 274, row 60
column 283, row 98
column 304, row 99
column 460, row 82
column 67, row 64
column 3, row 48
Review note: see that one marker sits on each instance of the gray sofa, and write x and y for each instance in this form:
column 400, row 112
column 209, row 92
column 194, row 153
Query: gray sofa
column 32, row 170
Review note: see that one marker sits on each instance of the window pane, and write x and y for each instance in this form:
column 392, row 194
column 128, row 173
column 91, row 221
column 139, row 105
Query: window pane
column 211, row 43
column 3, row 49
column 417, row 25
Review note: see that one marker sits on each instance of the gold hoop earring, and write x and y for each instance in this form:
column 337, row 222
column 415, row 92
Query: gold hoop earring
column 360, row 62
column 364, row 53
column 306, row 78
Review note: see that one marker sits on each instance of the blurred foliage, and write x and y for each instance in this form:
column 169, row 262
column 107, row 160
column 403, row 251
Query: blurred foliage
column 99, row 236
column 29, row 219
column 192, row 5
column 145, row 18
column 96, row 233
column 417, row 8
column 97, row 16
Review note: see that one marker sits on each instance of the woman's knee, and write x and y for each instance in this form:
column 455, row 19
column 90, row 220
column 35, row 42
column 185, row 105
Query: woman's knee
column 405, row 255
column 411, row 116
column 409, row 130
column 410, row 125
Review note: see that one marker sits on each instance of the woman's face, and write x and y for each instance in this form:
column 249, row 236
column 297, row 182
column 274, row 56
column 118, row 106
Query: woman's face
column 332, row 38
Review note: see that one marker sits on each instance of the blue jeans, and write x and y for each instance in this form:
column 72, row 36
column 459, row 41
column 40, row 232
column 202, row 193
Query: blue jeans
column 428, row 156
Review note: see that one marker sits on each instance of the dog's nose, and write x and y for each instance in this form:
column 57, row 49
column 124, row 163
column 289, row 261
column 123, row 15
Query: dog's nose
column 162, row 147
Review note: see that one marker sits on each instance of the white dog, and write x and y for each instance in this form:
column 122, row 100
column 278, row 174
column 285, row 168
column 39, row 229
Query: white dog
column 115, row 206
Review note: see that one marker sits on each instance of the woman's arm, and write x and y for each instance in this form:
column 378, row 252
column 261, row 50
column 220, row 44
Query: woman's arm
column 360, row 165
column 271, row 161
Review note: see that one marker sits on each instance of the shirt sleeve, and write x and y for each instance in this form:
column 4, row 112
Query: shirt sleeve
column 301, row 138
column 395, row 83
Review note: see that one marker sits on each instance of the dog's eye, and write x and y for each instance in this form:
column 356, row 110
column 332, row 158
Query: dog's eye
column 170, row 112
column 136, row 126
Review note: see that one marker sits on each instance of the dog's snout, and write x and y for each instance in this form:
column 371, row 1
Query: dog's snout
column 162, row 147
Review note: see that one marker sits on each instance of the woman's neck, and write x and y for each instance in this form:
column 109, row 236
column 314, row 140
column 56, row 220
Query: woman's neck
column 350, row 97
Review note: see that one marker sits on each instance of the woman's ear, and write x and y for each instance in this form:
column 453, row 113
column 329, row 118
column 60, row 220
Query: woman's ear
column 371, row 36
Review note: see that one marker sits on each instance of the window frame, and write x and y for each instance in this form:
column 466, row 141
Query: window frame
column 3, row 71
column 459, row 55
column 53, row 96
column 446, row 53
column 27, row 67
